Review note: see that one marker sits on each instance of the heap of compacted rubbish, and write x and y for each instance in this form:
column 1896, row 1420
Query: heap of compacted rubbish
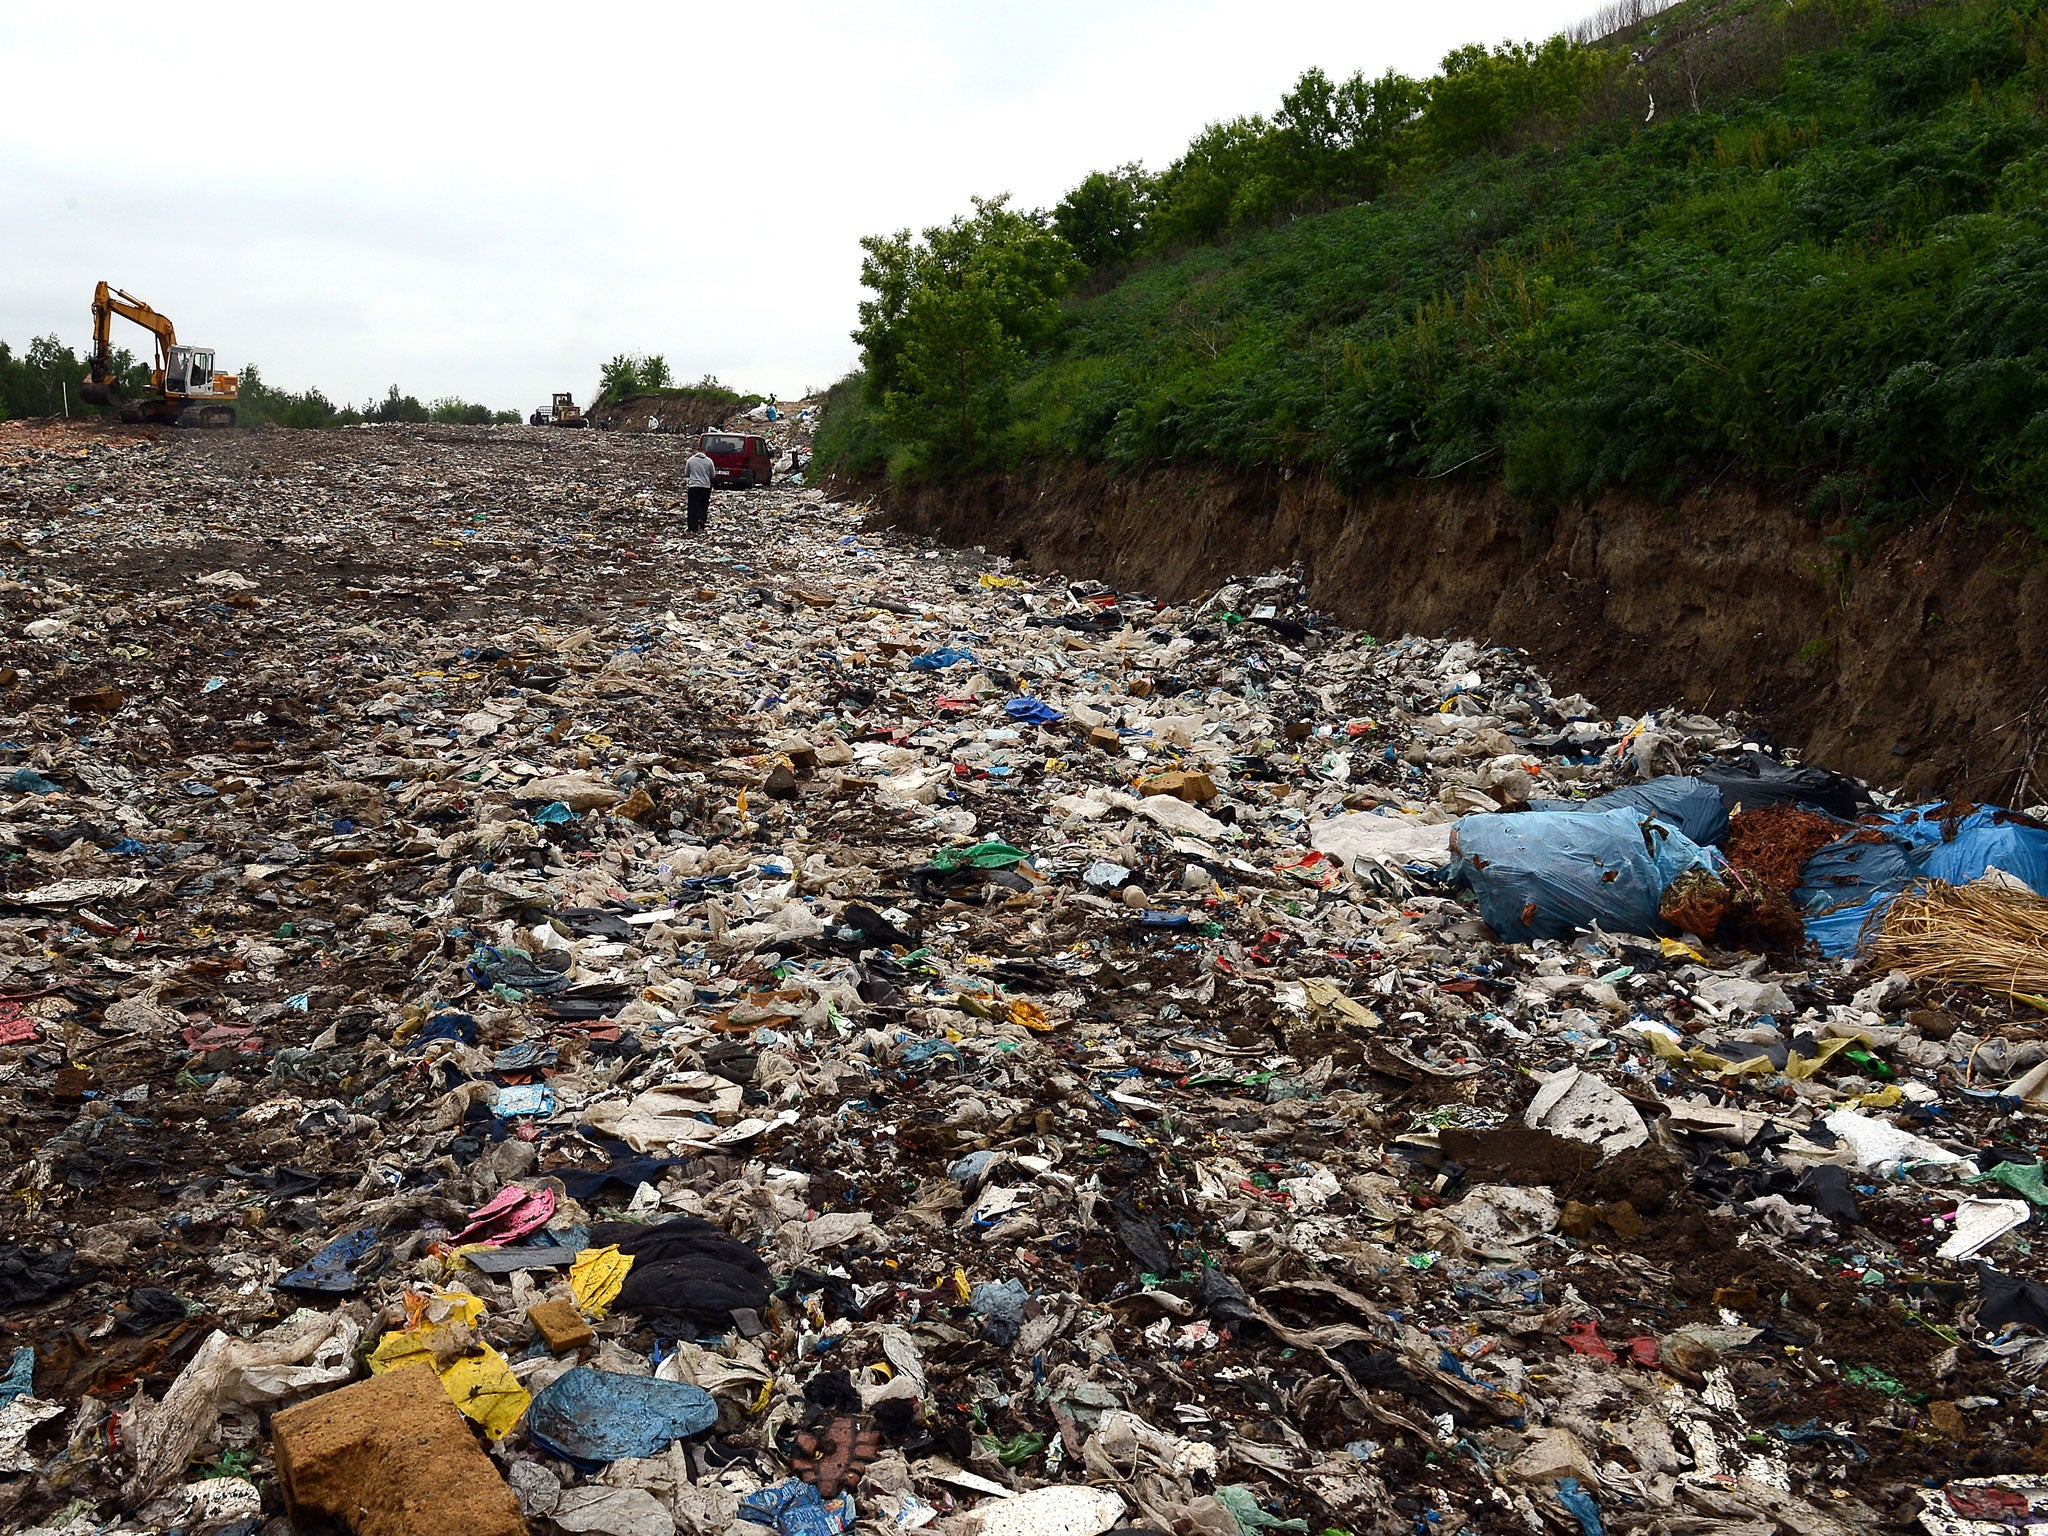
column 794, row 1027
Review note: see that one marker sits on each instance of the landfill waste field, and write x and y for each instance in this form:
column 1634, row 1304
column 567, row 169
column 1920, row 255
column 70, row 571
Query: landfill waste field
column 514, row 1017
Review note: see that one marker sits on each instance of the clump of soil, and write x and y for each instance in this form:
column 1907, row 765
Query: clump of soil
column 1644, row 1177
column 1518, row 1154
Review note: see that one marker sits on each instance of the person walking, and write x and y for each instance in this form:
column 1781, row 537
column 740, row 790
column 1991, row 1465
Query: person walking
column 697, row 487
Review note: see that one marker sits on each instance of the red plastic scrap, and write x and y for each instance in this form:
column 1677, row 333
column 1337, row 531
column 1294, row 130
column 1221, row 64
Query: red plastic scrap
column 1642, row 1349
column 17, row 1024
column 511, row 1213
column 1584, row 1336
column 2004, row 1505
column 221, row 1036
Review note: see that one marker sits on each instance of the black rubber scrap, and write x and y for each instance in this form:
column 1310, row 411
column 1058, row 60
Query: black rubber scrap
column 1143, row 1238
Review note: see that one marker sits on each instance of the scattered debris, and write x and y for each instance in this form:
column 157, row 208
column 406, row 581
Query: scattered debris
column 788, row 1028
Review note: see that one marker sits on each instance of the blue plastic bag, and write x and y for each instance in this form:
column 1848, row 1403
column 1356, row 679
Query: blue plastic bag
column 331, row 1271
column 937, row 661
column 1545, row 874
column 1584, row 1507
column 795, row 1508
column 1035, row 711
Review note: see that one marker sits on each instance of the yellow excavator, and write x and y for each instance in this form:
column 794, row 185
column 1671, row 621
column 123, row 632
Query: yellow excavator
column 184, row 391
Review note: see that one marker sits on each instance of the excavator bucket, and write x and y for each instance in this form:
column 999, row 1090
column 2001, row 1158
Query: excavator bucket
column 94, row 393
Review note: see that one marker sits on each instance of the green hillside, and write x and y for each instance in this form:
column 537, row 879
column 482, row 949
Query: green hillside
column 1804, row 246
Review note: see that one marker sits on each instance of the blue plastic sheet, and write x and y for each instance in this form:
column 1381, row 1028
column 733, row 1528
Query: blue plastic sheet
column 331, row 1271
column 523, row 1099
column 1033, row 711
column 1841, row 931
column 1583, row 1506
column 1849, row 872
column 1988, row 839
column 20, row 1380
column 1545, row 874
column 937, row 661
column 591, row 1417
column 1693, row 806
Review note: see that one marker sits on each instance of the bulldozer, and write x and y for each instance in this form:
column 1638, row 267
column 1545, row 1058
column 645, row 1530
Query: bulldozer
column 568, row 413
column 184, row 391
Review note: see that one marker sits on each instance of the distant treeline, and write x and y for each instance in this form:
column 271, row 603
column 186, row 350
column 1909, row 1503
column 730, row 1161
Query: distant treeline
column 44, row 380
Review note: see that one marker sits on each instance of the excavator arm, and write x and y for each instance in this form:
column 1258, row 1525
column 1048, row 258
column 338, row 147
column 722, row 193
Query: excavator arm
column 107, row 303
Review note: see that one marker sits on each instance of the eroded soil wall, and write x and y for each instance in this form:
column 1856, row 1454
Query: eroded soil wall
column 1916, row 665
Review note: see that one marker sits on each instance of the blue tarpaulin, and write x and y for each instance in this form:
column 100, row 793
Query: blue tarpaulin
column 1693, row 806
column 1855, row 878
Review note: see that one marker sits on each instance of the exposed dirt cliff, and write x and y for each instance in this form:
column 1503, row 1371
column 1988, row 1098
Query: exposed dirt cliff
column 1916, row 665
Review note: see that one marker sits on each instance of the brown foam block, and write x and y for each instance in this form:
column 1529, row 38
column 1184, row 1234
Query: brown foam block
column 390, row 1456
column 1194, row 788
column 560, row 1325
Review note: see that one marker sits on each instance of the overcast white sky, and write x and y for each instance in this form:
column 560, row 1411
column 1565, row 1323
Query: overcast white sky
column 489, row 200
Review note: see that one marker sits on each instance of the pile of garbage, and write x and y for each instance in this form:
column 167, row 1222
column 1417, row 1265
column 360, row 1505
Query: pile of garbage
column 516, row 1018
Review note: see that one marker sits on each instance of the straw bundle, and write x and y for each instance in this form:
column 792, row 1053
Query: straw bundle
column 1980, row 935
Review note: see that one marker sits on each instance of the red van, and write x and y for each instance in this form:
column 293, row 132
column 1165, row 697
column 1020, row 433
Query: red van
column 738, row 458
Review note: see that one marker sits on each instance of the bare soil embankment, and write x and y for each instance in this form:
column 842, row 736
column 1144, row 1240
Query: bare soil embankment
column 1916, row 665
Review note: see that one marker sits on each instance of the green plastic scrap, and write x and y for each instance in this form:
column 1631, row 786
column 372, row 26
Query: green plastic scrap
column 1244, row 1508
column 2020, row 1178
column 992, row 854
column 1870, row 1376
column 1022, row 1448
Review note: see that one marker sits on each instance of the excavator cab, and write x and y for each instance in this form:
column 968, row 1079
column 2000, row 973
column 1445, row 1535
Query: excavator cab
column 188, row 371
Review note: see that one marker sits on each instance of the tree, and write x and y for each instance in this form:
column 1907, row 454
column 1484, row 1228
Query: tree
column 1103, row 218
column 1200, row 195
column 619, row 378
column 953, row 314
column 654, row 373
column 1341, row 141
column 396, row 407
column 1485, row 98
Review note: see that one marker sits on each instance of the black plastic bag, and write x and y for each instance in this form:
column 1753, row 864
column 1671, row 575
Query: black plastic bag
column 1756, row 780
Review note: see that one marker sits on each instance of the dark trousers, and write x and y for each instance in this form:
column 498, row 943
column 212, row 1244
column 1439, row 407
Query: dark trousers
column 700, row 507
